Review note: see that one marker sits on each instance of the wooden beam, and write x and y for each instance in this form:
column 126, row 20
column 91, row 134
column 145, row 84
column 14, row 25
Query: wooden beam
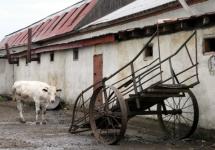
column 123, row 35
column 150, row 30
column 8, row 52
column 137, row 33
column 166, row 29
column 181, row 26
column 10, row 60
column 29, row 50
column 29, row 45
column 206, row 20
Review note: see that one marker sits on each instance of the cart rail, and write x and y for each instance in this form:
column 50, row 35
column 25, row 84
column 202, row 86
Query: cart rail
column 141, row 79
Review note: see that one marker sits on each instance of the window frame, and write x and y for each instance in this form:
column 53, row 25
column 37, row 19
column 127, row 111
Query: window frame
column 146, row 55
column 52, row 56
column 204, row 49
column 75, row 54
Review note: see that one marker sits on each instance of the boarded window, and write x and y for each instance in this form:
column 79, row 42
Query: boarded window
column 209, row 44
column 148, row 52
column 75, row 54
column 52, row 56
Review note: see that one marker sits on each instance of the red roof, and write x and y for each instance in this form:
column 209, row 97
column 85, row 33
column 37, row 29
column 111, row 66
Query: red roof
column 60, row 23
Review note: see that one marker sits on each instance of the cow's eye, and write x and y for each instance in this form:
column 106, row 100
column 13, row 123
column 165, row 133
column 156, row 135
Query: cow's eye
column 45, row 90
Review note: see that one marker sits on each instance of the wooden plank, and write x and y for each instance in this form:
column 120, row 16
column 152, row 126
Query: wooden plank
column 10, row 61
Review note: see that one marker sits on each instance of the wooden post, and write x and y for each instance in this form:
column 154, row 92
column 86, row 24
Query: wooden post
column 10, row 60
column 29, row 45
column 8, row 53
column 29, row 54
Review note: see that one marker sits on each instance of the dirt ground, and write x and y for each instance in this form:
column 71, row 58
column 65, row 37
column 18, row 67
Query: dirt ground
column 54, row 135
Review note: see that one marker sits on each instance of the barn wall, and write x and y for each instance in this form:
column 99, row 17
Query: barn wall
column 50, row 72
column 63, row 72
column 120, row 53
column 6, row 77
column 205, row 91
column 78, row 74
column 74, row 76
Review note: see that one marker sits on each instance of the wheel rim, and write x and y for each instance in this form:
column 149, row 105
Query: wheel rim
column 108, row 120
column 80, row 115
column 184, row 119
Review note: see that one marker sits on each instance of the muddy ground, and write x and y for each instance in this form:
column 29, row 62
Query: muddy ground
column 54, row 135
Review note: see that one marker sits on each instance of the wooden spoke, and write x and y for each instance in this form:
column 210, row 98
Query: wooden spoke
column 183, row 122
column 109, row 119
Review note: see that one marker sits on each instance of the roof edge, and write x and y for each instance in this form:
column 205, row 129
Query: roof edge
column 49, row 16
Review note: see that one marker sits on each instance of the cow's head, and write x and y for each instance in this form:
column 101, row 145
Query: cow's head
column 51, row 93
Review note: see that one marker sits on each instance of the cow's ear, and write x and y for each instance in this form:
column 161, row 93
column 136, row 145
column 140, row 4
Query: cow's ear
column 45, row 90
column 58, row 90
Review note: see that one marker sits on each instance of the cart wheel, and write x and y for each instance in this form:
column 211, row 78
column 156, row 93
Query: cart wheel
column 80, row 116
column 108, row 115
column 184, row 119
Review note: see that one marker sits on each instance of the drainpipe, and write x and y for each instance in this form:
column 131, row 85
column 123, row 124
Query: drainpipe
column 188, row 9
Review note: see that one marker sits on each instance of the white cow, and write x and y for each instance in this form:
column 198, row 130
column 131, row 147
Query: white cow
column 39, row 92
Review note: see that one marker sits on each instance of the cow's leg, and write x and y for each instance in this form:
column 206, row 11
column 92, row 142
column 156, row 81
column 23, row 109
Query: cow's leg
column 19, row 107
column 43, row 114
column 37, row 106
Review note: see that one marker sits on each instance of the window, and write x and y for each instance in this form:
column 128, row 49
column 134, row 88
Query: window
column 209, row 45
column 17, row 64
column 75, row 54
column 148, row 52
column 26, row 61
column 52, row 56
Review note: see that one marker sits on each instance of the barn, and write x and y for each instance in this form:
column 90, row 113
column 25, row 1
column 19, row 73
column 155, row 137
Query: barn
column 76, row 47
column 56, row 25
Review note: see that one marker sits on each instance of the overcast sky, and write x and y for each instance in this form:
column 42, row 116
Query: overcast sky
column 16, row 14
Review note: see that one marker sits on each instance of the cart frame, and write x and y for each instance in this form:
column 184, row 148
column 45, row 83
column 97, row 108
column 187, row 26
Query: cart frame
column 144, row 91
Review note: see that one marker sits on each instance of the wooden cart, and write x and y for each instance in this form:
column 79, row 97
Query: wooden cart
column 106, row 106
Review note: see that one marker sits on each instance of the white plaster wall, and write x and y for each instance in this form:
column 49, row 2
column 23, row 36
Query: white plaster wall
column 204, row 92
column 6, row 77
column 75, row 76
column 65, row 73
column 46, row 71
column 79, row 73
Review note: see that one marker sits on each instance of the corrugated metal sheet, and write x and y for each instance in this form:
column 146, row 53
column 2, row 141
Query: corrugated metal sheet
column 60, row 23
column 130, row 9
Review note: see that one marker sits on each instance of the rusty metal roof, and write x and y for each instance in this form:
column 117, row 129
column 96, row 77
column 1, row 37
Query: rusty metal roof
column 56, row 24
